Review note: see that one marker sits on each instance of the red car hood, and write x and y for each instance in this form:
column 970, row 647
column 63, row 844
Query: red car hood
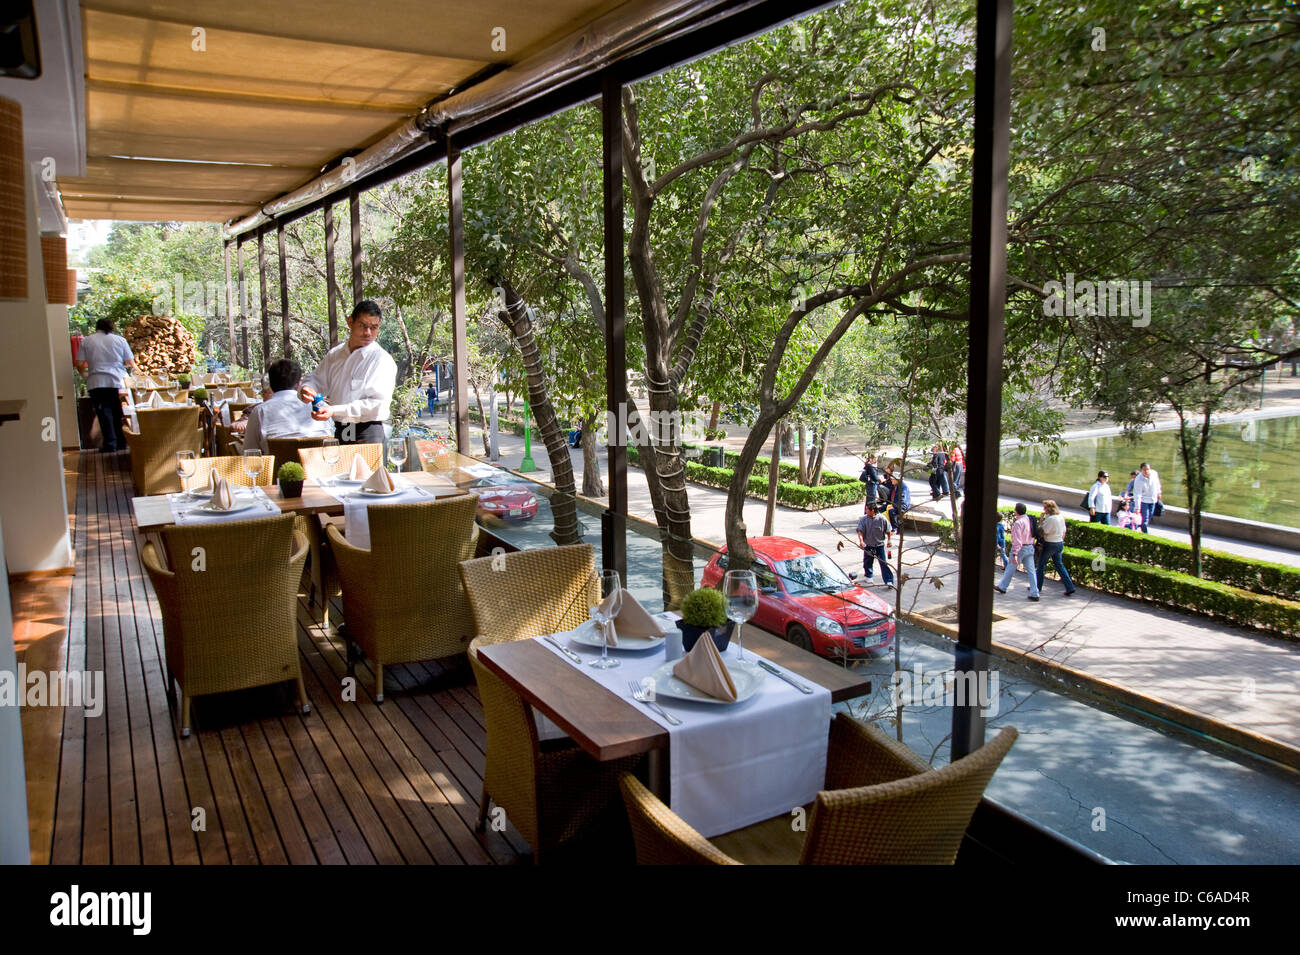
column 861, row 606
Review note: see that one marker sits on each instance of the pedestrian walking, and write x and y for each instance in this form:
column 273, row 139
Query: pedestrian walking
column 1052, row 525
column 957, row 460
column 938, row 468
column 1003, row 540
column 1147, row 492
column 1099, row 499
column 870, row 477
column 1022, row 549
column 873, row 532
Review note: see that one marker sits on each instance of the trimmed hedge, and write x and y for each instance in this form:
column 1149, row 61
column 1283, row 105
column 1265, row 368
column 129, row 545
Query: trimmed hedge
column 1243, row 573
column 787, row 492
column 503, row 423
column 1172, row 588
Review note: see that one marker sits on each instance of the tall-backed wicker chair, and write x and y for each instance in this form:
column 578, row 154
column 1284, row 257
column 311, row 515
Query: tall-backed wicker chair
column 548, row 792
column 230, row 467
column 218, row 638
column 882, row 806
column 561, row 586
column 163, row 432
column 312, row 457
column 402, row 599
column 324, row 579
column 286, row 449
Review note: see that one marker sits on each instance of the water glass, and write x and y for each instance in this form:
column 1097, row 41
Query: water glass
column 186, row 465
column 397, row 452
column 253, row 464
column 331, row 454
column 610, row 585
column 740, row 588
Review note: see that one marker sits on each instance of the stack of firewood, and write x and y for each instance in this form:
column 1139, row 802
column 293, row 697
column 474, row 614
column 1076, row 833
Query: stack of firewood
column 162, row 345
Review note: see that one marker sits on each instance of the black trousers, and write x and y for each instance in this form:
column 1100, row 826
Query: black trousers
column 108, row 409
column 360, row 432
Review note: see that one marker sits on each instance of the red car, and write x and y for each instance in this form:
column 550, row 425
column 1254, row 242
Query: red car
column 805, row 596
column 500, row 498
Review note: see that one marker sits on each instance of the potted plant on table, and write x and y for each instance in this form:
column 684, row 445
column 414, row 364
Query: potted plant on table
column 704, row 611
column 291, row 475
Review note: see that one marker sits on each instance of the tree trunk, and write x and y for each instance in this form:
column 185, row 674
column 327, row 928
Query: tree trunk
column 803, row 453
column 665, row 471
column 787, row 441
column 773, row 479
column 487, row 438
column 819, row 458
column 564, row 507
column 739, row 554
column 713, row 415
column 592, row 485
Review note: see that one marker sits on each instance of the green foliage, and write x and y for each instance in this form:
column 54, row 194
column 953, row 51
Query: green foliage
column 408, row 401
column 199, row 395
column 125, row 309
column 1171, row 588
column 704, row 608
column 291, row 471
column 848, row 491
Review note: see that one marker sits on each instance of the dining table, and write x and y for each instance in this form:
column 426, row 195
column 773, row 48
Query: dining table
column 609, row 725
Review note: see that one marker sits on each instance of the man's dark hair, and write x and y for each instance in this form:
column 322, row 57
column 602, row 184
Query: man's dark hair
column 1144, row 464
column 284, row 374
column 872, row 506
column 104, row 325
column 1021, row 509
column 367, row 307
column 1102, row 474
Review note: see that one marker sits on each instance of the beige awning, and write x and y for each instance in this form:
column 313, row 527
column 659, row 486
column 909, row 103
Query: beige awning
column 207, row 114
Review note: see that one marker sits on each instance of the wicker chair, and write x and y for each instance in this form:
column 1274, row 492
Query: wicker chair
column 286, row 449
column 882, row 806
column 312, row 457
column 217, row 639
column 163, row 432
column 230, row 467
column 402, row 598
column 561, row 588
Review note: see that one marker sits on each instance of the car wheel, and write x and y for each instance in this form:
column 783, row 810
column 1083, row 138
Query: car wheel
column 799, row 637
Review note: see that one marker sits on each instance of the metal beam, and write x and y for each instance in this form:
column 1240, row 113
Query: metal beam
column 614, row 524
column 284, row 293
column 459, row 346
column 988, row 293
column 243, row 300
column 331, row 236
column 230, row 305
column 354, row 211
column 266, row 311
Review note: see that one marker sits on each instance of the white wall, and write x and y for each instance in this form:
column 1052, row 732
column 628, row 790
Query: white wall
column 33, row 504
column 14, row 846
column 65, row 378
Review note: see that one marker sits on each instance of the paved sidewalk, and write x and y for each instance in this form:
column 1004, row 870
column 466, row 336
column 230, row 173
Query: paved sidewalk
column 1225, row 674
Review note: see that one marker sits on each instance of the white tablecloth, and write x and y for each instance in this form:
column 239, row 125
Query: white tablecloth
column 731, row 766
column 184, row 508
column 356, row 503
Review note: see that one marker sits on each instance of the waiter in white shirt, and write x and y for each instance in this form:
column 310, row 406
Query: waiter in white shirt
column 356, row 380
column 281, row 414
column 103, row 359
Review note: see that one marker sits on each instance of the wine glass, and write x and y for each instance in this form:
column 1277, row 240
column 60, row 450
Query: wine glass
column 397, row 452
column 604, row 615
column 740, row 587
column 253, row 464
column 331, row 454
column 186, row 465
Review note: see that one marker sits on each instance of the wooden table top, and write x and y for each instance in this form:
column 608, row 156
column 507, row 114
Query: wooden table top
column 608, row 726
column 155, row 511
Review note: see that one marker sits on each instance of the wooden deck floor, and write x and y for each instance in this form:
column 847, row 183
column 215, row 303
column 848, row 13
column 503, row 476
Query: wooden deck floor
column 348, row 783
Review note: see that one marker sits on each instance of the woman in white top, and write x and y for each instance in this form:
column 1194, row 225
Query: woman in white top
column 1052, row 525
column 1099, row 499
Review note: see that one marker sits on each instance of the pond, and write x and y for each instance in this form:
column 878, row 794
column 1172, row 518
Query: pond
column 1254, row 467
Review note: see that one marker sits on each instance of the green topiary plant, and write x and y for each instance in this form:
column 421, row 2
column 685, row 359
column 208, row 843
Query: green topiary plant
column 291, row 471
column 199, row 395
column 704, row 608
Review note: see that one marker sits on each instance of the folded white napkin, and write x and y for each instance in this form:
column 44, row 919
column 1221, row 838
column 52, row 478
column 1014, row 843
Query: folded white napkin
column 379, row 481
column 213, row 478
column 225, row 413
column 359, row 469
column 703, row 669
column 632, row 620
column 246, row 398
column 222, row 498
column 155, row 401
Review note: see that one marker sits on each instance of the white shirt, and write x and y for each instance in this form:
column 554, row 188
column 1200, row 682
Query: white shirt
column 1053, row 527
column 358, row 385
column 1147, row 490
column 1099, row 497
column 283, row 415
column 105, row 356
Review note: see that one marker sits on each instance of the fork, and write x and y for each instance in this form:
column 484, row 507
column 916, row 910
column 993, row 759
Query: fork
column 639, row 694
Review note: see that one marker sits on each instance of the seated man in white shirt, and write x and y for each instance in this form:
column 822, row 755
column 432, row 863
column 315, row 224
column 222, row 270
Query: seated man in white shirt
column 282, row 415
column 355, row 379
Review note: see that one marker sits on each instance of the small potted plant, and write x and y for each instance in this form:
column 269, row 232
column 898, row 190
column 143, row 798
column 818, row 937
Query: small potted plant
column 704, row 610
column 291, row 475
column 199, row 396
column 183, row 380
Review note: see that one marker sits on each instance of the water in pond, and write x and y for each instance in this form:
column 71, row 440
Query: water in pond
column 1254, row 467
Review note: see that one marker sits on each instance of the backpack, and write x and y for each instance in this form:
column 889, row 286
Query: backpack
column 1035, row 529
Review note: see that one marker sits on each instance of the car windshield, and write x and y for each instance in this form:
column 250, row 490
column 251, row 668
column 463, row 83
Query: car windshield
column 812, row 573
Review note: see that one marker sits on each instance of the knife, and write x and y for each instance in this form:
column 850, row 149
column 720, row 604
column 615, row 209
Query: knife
column 802, row 688
column 563, row 649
